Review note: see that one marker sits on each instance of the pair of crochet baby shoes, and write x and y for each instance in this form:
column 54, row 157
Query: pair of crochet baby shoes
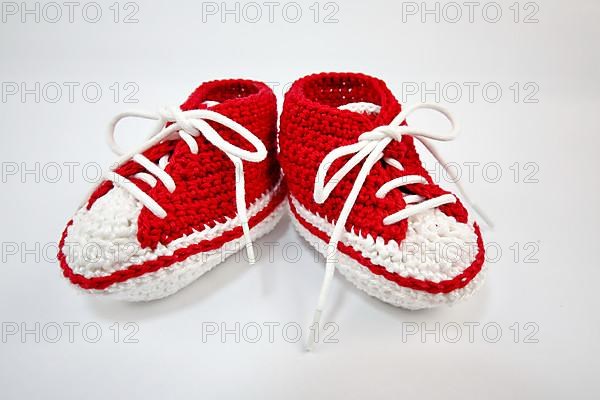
column 215, row 174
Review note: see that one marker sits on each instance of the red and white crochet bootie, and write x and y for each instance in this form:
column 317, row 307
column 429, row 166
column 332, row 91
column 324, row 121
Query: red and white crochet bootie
column 204, row 183
column 373, row 209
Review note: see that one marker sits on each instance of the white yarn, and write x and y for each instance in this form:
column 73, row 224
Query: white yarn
column 166, row 281
column 385, row 290
column 103, row 239
column 436, row 247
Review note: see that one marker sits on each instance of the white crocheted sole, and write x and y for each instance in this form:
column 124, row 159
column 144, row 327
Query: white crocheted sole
column 168, row 280
column 383, row 289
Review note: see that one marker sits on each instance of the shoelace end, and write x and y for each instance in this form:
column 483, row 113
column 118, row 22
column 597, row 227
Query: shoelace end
column 310, row 343
column 250, row 251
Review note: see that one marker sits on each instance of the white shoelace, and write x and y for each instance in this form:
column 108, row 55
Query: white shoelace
column 186, row 125
column 369, row 150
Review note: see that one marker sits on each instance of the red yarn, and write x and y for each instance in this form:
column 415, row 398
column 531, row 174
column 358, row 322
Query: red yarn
column 205, row 182
column 312, row 126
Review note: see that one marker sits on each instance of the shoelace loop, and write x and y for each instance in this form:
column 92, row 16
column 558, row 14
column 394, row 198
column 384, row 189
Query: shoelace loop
column 185, row 125
column 369, row 150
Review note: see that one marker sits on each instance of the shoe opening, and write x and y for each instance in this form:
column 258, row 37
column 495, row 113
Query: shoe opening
column 222, row 91
column 338, row 89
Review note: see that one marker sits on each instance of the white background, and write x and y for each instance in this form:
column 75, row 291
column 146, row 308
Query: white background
column 548, row 211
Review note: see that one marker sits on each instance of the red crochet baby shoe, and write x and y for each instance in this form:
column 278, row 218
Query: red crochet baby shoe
column 356, row 183
column 196, row 191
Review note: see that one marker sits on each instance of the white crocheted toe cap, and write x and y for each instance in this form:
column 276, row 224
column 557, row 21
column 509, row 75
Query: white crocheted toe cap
column 102, row 239
column 436, row 247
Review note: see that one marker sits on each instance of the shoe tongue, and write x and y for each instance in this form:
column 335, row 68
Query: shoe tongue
column 362, row 107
